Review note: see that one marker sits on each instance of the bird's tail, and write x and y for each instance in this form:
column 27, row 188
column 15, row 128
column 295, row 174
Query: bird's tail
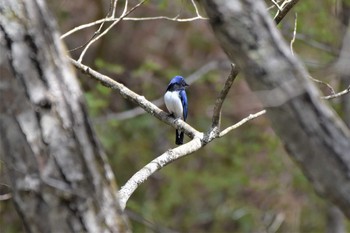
column 179, row 140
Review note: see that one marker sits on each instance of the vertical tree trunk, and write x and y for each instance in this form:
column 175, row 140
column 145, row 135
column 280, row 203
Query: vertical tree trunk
column 311, row 132
column 60, row 179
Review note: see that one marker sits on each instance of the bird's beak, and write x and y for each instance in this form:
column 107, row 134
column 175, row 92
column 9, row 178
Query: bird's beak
column 186, row 85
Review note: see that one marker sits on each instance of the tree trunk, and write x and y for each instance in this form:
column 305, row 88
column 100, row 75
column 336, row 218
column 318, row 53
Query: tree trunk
column 61, row 181
column 312, row 133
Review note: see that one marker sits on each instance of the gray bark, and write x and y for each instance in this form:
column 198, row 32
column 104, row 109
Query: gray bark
column 312, row 133
column 60, row 179
column 335, row 220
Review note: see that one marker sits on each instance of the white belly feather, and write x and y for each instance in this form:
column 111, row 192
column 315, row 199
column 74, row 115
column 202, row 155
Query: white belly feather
column 173, row 103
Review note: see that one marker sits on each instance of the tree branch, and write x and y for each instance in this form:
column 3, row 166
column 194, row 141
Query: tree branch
column 158, row 102
column 216, row 119
column 241, row 122
column 174, row 154
column 169, row 156
column 137, row 99
column 93, row 40
column 286, row 6
column 336, row 95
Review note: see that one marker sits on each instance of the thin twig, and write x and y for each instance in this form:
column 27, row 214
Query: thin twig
column 323, row 83
column 107, row 30
column 276, row 4
column 125, row 7
column 241, row 122
column 196, row 8
column 216, row 119
column 98, row 30
column 336, row 95
column 276, row 223
column 294, row 33
column 175, row 19
column 114, row 8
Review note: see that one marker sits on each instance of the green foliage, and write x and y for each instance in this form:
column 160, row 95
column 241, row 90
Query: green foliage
column 147, row 67
column 316, row 25
column 96, row 99
column 111, row 67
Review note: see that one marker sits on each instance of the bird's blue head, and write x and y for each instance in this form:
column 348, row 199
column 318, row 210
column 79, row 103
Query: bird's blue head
column 178, row 81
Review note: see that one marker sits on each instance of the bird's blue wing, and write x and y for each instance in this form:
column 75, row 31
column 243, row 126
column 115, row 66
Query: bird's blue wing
column 183, row 98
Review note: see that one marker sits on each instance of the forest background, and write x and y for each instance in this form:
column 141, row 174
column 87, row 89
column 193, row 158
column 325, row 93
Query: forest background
column 244, row 182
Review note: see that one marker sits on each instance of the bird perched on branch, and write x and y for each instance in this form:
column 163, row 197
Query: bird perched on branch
column 176, row 102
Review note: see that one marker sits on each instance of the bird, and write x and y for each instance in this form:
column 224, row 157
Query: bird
column 175, row 99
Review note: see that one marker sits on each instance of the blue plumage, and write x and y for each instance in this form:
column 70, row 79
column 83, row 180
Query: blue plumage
column 176, row 102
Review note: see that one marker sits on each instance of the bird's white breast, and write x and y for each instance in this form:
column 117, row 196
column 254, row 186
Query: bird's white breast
column 173, row 103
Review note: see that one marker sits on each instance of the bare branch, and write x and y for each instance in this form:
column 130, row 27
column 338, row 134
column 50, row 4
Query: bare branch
column 276, row 223
column 169, row 156
column 176, row 19
column 323, row 83
column 241, row 122
column 294, row 33
column 336, row 95
column 286, row 6
column 137, row 99
column 108, row 29
column 276, row 5
column 125, row 7
column 6, row 196
column 114, row 8
column 111, row 9
column 196, row 8
column 222, row 96
column 114, row 19
column 83, row 26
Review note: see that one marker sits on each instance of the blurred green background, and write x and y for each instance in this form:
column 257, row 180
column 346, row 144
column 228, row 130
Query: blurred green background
column 244, row 182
